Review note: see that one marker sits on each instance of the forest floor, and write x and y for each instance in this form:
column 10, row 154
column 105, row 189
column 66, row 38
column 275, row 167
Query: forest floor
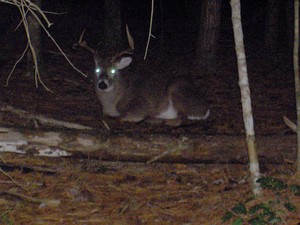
column 84, row 190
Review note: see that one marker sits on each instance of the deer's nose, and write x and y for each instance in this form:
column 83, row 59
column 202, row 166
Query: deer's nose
column 102, row 85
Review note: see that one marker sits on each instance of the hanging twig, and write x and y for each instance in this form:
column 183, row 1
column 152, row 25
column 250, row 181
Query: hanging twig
column 150, row 29
column 25, row 7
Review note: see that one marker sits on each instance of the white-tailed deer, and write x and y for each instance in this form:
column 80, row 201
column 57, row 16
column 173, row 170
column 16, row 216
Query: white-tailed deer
column 134, row 98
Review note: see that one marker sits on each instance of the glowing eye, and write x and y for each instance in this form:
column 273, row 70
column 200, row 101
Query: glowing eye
column 97, row 70
column 113, row 71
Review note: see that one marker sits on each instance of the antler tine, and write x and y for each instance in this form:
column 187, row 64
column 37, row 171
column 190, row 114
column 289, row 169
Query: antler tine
column 128, row 51
column 83, row 44
column 129, row 37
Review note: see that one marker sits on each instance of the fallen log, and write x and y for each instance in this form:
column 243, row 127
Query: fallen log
column 150, row 148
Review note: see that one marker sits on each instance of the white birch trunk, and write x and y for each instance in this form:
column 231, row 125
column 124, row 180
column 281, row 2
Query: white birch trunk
column 245, row 94
column 296, row 74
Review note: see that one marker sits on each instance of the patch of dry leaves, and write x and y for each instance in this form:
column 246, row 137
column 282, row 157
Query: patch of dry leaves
column 95, row 192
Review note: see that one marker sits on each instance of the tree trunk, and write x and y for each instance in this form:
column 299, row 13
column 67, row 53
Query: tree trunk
column 112, row 25
column 289, row 28
column 297, row 82
column 194, row 18
column 245, row 94
column 208, row 33
column 272, row 25
column 35, row 39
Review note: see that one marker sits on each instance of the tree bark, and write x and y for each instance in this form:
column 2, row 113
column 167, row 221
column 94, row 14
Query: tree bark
column 35, row 39
column 245, row 94
column 289, row 28
column 297, row 82
column 112, row 26
column 208, row 35
column 272, row 25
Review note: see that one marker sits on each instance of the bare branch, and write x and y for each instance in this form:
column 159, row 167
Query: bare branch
column 150, row 29
column 25, row 7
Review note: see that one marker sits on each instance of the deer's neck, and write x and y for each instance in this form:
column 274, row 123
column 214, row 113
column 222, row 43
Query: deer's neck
column 108, row 102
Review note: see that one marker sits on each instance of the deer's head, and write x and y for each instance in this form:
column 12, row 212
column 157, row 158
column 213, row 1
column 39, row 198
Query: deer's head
column 107, row 68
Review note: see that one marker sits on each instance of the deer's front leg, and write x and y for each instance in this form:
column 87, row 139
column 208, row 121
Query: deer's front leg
column 133, row 111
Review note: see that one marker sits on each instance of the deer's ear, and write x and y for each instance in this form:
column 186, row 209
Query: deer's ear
column 124, row 62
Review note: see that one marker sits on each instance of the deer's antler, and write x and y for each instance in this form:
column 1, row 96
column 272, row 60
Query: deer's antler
column 83, row 44
column 128, row 51
column 130, row 39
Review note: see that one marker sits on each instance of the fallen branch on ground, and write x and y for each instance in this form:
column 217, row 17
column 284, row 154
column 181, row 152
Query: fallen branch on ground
column 43, row 120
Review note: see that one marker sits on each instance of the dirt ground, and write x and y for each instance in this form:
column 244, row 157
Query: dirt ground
column 82, row 190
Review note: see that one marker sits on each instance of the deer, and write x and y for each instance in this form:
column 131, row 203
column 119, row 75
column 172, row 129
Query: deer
column 135, row 99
